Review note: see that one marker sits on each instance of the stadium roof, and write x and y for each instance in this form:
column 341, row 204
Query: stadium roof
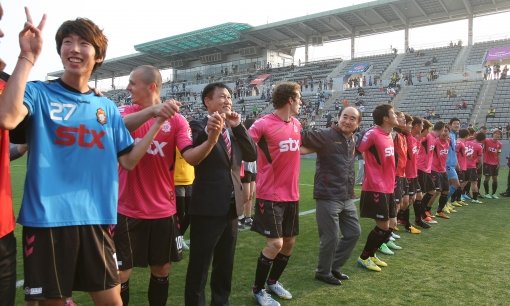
column 366, row 19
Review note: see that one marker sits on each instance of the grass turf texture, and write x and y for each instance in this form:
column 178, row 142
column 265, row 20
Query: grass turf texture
column 461, row 261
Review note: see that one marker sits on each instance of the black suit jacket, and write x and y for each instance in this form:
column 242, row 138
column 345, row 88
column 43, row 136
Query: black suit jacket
column 217, row 175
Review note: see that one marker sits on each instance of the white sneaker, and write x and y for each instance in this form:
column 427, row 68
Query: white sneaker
column 281, row 292
column 264, row 299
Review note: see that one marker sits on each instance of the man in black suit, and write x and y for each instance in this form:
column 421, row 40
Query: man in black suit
column 217, row 197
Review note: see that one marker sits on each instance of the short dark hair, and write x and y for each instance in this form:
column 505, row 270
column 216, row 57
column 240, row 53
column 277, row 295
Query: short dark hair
column 480, row 136
column 439, row 126
column 453, row 120
column 209, row 90
column 381, row 111
column 463, row 133
column 357, row 110
column 87, row 30
column 283, row 92
column 417, row 121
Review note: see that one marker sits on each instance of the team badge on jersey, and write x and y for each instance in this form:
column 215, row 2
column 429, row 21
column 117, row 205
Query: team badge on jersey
column 166, row 127
column 101, row 116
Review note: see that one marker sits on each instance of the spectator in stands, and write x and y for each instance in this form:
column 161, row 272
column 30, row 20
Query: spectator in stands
column 418, row 76
column 507, row 128
column 491, row 113
column 504, row 73
column 487, row 73
column 496, row 69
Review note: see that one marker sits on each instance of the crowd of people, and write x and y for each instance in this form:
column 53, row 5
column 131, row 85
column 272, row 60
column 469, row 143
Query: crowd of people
column 147, row 175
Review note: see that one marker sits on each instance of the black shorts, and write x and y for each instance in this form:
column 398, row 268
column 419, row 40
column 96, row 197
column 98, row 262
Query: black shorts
column 425, row 181
column 377, row 205
column 7, row 269
column 59, row 260
column 471, row 175
column 440, row 180
column 398, row 193
column 276, row 219
column 143, row 242
column 413, row 186
column 490, row 170
column 248, row 177
column 183, row 190
column 461, row 174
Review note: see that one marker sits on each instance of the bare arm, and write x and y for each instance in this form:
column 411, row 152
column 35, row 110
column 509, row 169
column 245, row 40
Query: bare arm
column 12, row 109
column 166, row 110
column 129, row 160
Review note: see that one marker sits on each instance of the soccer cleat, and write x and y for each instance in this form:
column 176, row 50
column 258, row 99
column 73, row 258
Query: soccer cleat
column 457, row 204
column 264, row 299
column 495, row 196
column 392, row 245
column 441, row 214
column 422, row 224
column 451, row 208
column 248, row 222
column 446, row 209
column 429, row 214
column 465, row 197
column 392, row 239
column 395, row 235
column 476, row 201
column 429, row 220
column 368, row 264
column 378, row 262
column 413, row 230
column 396, row 228
column 487, row 196
column 463, row 203
column 281, row 292
column 385, row 250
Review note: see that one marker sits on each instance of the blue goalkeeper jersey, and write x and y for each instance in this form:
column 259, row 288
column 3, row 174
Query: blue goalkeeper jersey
column 451, row 160
column 74, row 140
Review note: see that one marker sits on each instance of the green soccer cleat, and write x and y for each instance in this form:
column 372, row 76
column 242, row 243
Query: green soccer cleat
column 385, row 250
column 392, row 245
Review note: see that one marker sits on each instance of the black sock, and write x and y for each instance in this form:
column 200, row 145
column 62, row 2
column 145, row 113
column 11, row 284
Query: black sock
column 279, row 264
column 467, row 188
column 263, row 267
column 457, row 195
column 418, row 213
column 494, row 186
column 375, row 238
column 425, row 202
column 405, row 214
column 124, row 293
column 443, row 199
column 158, row 290
column 486, row 186
column 475, row 195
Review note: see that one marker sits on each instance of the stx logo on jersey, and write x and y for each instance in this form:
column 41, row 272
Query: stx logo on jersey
column 156, row 147
column 289, row 145
column 416, row 149
column 493, row 150
column 390, row 151
column 68, row 136
column 443, row 152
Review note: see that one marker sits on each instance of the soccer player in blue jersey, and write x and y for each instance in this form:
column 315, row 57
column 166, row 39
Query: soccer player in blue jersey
column 77, row 140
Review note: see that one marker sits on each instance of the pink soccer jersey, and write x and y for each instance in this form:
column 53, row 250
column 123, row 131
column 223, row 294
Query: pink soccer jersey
column 425, row 153
column 412, row 155
column 491, row 152
column 147, row 192
column 277, row 178
column 473, row 153
column 460, row 149
column 440, row 155
column 379, row 154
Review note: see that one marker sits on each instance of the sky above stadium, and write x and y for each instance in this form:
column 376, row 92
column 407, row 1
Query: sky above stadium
column 127, row 24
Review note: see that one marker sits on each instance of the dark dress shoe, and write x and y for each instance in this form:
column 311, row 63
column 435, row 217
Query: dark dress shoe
column 328, row 279
column 340, row 275
column 505, row 194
